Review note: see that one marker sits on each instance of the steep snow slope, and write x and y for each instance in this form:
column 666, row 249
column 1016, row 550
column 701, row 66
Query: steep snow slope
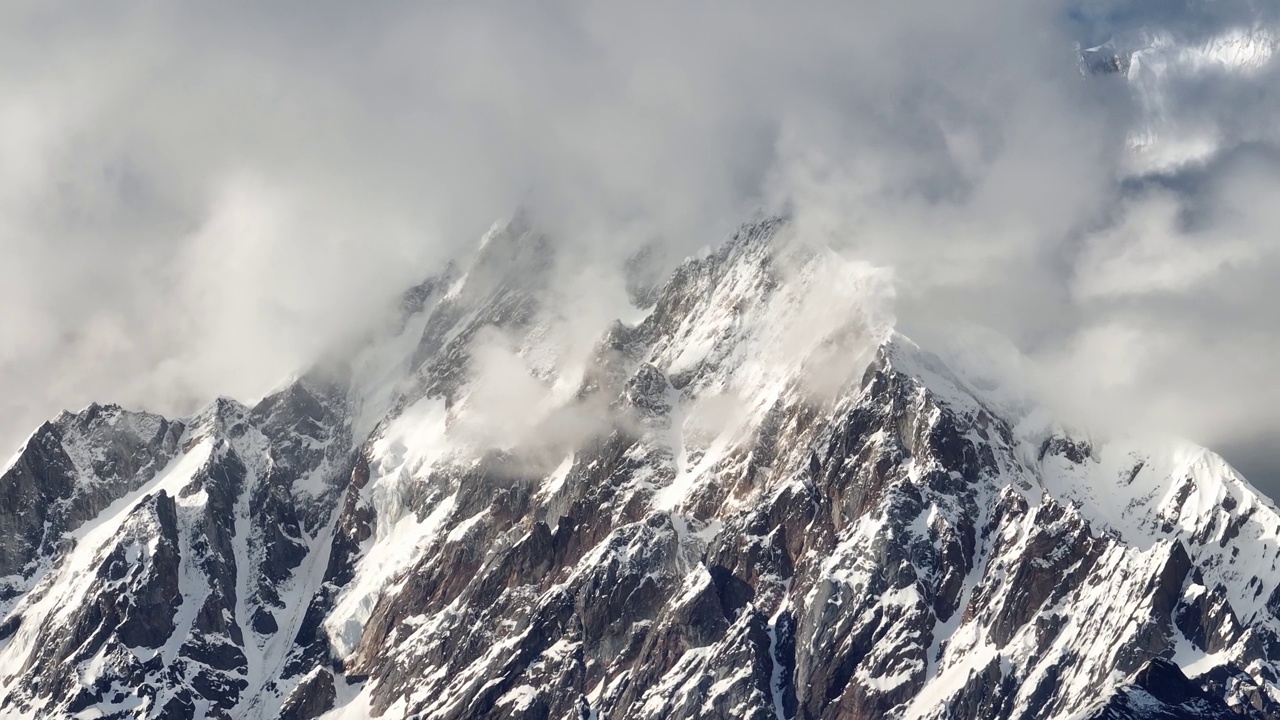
column 758, row 501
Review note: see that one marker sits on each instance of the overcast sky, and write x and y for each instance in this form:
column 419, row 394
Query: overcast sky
column 194, row 198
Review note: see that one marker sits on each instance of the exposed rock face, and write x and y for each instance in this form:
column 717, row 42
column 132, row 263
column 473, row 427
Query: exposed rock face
column 1160, row 690
column 757, row 502
column 69, row 471
column 312, row 697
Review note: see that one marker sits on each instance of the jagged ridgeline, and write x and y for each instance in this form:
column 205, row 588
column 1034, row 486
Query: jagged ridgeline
column 757, row 501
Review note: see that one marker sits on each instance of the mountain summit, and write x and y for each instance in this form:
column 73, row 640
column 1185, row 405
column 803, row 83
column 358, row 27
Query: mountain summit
column 756, row 500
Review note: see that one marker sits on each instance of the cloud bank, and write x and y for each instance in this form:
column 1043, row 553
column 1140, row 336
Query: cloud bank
column 196, row 200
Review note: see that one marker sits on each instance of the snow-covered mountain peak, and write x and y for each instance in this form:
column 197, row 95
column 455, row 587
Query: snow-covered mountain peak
column 752, row 498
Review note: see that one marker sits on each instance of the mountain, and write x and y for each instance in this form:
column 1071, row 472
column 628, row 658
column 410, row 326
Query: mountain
column 754, row 500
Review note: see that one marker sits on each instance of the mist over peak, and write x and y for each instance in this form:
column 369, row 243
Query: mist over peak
column 202, row 202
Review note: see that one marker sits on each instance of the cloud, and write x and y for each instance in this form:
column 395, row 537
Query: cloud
column 195, row 200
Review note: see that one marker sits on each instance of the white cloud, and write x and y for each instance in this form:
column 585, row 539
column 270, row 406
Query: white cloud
column 193, row 199
column 1149, row 252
